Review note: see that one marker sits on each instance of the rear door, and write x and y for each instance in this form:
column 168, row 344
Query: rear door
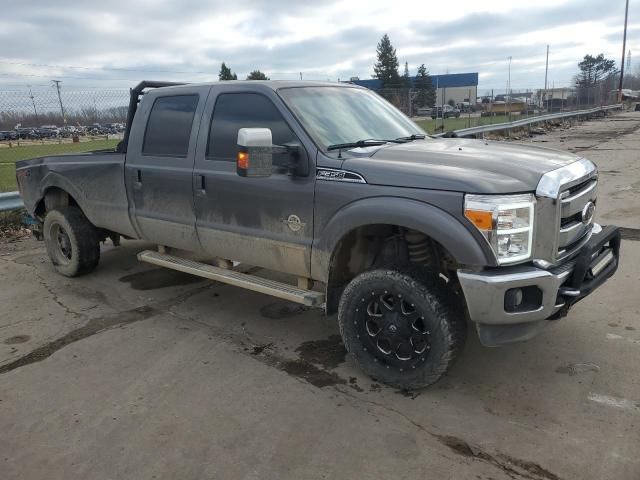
column 260, row 221
column 159, row 165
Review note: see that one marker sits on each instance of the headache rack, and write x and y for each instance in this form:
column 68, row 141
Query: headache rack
column 135, row 95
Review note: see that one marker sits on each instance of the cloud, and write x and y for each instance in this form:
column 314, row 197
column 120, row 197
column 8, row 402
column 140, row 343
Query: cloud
column 117, row 43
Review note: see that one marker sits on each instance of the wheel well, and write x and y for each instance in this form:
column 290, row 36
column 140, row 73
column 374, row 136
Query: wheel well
column 390, row 246
column 53, row 197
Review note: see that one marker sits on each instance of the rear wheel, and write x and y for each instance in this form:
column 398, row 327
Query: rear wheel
column 72, row 241
column 401, row 332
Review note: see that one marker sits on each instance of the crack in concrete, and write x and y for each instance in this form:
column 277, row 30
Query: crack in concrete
column 92, row 327
column 97, row 325
column 515, row 468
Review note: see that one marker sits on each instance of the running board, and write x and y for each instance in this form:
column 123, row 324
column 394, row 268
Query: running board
column 237, row 279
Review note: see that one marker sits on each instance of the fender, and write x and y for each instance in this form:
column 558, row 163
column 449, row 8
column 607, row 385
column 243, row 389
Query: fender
column 467, row 247
column 103, row 214
column 55, row 180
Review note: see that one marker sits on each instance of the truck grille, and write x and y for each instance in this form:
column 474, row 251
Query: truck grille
column 574, row 231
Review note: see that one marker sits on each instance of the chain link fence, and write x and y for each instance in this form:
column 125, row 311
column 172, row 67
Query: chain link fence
column 47, row 120
column 467, row 107
column 38, row 121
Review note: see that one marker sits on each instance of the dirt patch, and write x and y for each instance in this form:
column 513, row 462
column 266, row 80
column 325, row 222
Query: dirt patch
column 281, row 310
column 328, row 353
column 310, row 373
column 573, row 369
column 15, row 340
column 13, row 233
column 513, row 467
column 159, row 278
column 632, row 234
column 313, row 355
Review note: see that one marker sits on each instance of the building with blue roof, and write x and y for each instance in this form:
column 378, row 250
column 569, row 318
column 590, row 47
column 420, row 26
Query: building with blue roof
column 460, row 87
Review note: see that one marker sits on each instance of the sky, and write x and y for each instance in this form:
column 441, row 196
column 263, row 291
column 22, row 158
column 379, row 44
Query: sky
column 116, row 43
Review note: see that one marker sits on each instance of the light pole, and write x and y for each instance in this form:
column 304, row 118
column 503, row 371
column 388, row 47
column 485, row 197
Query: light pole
column 509, row 89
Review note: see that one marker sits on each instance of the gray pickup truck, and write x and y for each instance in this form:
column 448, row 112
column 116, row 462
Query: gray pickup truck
column 405, row 236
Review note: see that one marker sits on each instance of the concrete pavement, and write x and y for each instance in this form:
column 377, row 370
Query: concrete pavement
column 138, row 372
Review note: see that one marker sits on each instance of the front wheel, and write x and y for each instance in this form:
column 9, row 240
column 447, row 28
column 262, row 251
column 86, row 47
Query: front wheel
column 399, row 331
column 72, row 241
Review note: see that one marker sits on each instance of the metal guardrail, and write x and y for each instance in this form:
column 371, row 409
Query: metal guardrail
column 467, row 132
column 10, row 201
column 13, row 201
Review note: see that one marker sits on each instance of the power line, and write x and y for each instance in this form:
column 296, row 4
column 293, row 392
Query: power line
column 98, row 68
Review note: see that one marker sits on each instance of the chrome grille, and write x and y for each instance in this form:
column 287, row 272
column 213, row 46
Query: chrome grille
column 562, row 196
column 573, row 231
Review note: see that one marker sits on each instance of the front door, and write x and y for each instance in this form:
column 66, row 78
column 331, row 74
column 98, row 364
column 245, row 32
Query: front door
column 159, row 165
column 266, row 222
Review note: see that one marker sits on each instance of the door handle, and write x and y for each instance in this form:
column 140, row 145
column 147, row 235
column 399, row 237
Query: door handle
column 138, row 182
column 202, row 184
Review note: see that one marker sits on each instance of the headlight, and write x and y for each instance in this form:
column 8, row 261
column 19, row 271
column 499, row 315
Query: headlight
column 506, row 221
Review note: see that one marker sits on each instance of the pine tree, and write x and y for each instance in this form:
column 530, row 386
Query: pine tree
column 593, row 69
column 257, row 75
column 426, row 93
column 225, row 73
column 386, row 68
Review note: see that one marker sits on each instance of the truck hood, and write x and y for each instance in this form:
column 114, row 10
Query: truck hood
column 471, row 166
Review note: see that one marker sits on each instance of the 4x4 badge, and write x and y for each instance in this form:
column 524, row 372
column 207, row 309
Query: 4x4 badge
column 294, row 223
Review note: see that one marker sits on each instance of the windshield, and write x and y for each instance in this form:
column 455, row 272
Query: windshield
column 335, row 115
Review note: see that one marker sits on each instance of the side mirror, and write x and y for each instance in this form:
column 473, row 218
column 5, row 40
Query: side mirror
column 255, row 152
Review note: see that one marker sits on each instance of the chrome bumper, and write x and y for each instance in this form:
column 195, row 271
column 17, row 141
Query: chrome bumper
column 485, row 293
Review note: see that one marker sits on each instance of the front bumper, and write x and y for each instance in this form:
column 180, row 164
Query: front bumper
column 512, row 303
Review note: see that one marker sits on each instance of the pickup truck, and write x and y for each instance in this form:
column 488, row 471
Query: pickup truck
column 407, row 237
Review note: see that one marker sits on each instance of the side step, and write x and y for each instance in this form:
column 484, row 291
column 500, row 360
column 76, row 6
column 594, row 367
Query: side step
column 237, row 279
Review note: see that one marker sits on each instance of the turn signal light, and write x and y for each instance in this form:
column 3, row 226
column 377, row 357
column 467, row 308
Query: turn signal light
column 482, row 220
column 243, row 160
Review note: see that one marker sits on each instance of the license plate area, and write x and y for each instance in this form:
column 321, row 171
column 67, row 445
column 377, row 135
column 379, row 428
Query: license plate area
column 596, row 262
column 605, row 257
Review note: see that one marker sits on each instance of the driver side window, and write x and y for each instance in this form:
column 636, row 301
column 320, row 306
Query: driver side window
column 234, row 111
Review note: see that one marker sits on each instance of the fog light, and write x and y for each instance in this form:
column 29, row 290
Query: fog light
column 512, row 299
column 523, row 299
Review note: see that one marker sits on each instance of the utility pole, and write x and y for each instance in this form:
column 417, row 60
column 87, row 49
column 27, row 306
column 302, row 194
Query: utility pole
column 624, row 48
column 58, row 82
column 35, row 110
column 546, row 73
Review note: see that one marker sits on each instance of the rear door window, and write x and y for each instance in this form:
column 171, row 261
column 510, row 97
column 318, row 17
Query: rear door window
column 169, row 126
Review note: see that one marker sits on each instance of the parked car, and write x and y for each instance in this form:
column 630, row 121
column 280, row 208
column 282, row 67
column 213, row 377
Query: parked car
column 447, row 111
column 404, row 236
column 48, row 131
column 424, row 111
column 26, row 133
column 466, row 107
column 8, row 135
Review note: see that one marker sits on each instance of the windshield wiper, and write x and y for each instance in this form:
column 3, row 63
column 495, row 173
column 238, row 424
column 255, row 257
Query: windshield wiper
column 367, row 142
column 410, row 138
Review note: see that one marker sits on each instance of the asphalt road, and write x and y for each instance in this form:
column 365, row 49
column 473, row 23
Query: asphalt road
column 134, row 372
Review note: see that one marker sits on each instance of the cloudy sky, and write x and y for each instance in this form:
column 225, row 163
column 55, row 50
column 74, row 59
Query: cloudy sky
column 115, row 43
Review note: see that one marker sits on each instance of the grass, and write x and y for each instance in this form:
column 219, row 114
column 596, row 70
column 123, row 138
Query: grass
column 9, row 156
